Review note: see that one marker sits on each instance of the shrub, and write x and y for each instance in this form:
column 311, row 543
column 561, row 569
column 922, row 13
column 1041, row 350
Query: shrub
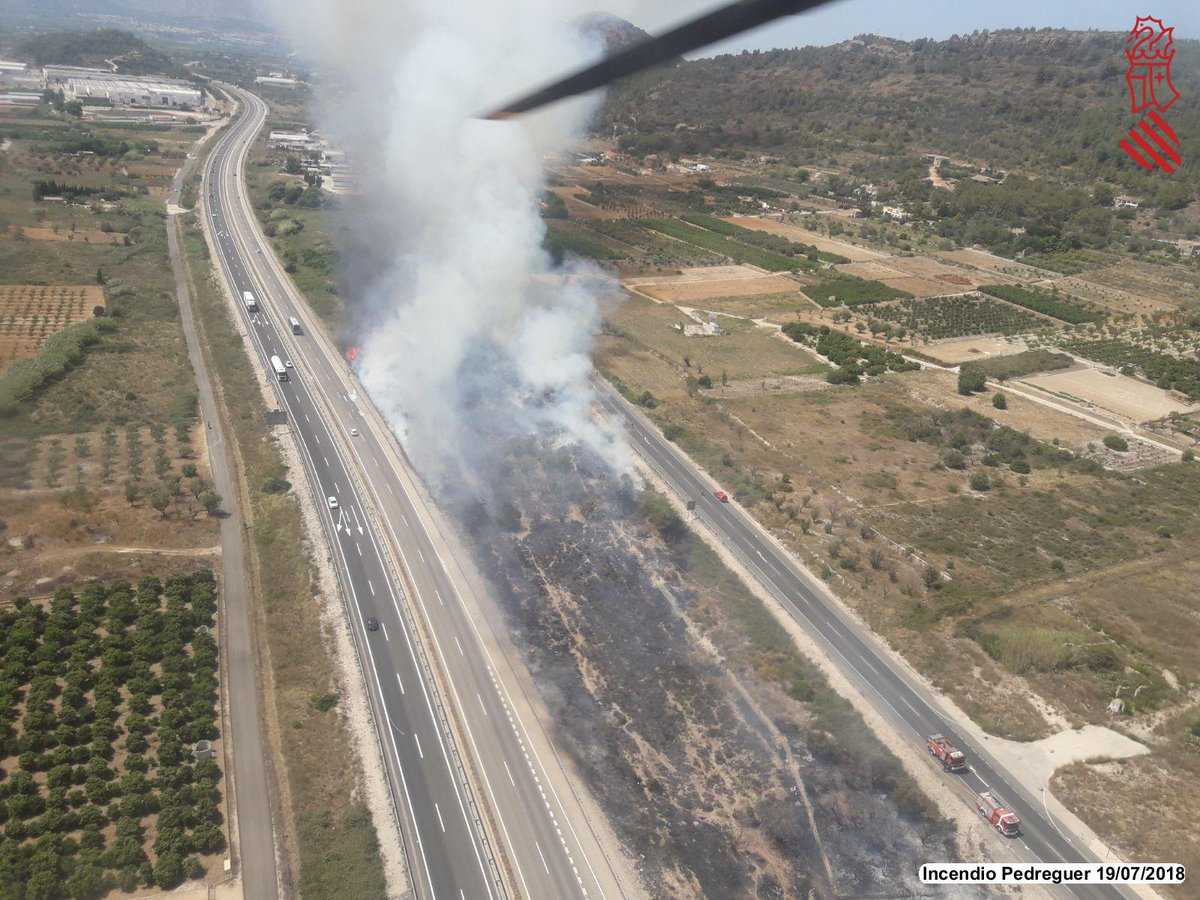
column 1188, row 455
column 979, row 481
column 971, row 379
column 1000, row 401
column 1116, row 442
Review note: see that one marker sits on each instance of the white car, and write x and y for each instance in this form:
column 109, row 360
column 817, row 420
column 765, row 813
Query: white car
column 333, row 503
column 287, row 364
column 354, row 432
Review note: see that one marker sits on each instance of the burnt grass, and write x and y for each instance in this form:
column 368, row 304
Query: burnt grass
column 702, row 799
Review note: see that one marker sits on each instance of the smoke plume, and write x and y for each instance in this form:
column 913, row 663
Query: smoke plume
column 468, row 335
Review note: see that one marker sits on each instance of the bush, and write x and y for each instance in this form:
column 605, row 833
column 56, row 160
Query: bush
column 1116, row 442
column 971, row 379
column 1000, row 401
column 61, row 353
column 1188, row 455
column 979, row 481
column 953, row 459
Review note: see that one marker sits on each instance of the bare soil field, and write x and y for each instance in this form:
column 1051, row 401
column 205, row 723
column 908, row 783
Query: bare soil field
column 642, row 327
column 959, row 350
column 923, row 287
column 776, row 308
column 1175, row 284
column 992, row 264
column 1135, row 400
column 871, row 269
column 688, row 292
column 1113, row 298
column 702, row 274
column 852, row 252
column 31, row 313
column 952, row 276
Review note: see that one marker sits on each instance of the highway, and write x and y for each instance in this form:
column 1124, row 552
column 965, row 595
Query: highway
column 485, row 807
column 855, row 652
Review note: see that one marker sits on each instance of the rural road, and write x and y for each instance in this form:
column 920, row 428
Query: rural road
column 907, row 704
column 484, row 804
column 253, row 843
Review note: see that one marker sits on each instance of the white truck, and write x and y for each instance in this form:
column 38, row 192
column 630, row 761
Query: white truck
column 248, row 299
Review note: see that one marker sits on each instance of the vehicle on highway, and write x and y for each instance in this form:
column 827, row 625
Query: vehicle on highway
column 999, row 816
column 295, row 323
column 372, row 623
column 354, row 432
column 250, row 301
column 281, row 371
column 333, row 503
column 722, row 496
column 287, row 364
column 952, row 759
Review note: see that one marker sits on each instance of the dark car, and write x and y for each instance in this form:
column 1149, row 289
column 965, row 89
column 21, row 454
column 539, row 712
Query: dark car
column 372, row 624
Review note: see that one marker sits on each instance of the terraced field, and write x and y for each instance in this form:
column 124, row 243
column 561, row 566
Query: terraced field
column 31, row 313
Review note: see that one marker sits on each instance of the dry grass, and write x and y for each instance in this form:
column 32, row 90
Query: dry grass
column 707, row 290
column 83, row 235
column 1128, row 397
column 31, row 313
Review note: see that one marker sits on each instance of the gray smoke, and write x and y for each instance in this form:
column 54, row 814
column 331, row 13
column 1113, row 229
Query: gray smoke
column 473, row 337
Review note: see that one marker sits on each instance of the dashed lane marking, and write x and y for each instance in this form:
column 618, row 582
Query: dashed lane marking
column 417, row 738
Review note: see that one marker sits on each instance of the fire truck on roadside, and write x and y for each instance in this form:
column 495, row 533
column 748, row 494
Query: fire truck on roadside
column 951, row 758
column 999, row 816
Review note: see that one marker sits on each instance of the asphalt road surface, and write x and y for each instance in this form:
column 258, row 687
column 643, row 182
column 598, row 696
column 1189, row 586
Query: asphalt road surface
column 255, row 837
column 904, row 703
column 369, row 503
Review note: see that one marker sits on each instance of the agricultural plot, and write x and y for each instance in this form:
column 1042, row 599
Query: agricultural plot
column 102, row 752
column 847, row 290
column 645, row 245
column 1128, row 397
column 1166, row 371
column 725, row 246
column 1047, row 303
column 31, row 313
column 688, row 292
column 948, row 317
column 83, row 235
column 766, row 240
column 955, row 351
column 804, row 236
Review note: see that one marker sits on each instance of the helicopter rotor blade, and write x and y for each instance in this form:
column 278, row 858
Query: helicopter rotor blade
column 717, row 25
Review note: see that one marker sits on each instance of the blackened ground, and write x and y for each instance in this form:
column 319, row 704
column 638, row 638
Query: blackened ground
column 676, row 757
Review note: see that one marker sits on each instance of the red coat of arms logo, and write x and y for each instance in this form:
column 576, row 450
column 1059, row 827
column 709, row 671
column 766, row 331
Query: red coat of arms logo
column 1149, row 50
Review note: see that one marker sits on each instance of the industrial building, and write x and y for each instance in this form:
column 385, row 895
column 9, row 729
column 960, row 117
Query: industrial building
column 128, row 92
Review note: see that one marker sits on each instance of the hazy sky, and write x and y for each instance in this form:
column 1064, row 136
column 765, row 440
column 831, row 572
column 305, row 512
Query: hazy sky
column 931, row 18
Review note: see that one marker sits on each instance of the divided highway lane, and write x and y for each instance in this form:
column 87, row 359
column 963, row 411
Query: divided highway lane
column 549, row 850
column 863, row 664
column 445, row 856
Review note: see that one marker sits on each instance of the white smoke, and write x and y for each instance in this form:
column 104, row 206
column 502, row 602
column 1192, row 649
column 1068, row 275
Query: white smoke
column 471, row 332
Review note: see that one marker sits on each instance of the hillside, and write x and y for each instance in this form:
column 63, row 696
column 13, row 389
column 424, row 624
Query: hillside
column 99, row 48
column 1038, row 101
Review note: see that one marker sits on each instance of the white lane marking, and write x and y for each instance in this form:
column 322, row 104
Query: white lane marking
column 399, row 682
column 459, row 646
column 371, row 586
column 509, row 771
column 402, row 515
column 543, row 856
column 420, row 554
column 437, row 809
column 417, row 738
column 385, row 634
column 316, row 437
column 390, row 491
column 439, row 596
column 481, row 706
column 358, row 548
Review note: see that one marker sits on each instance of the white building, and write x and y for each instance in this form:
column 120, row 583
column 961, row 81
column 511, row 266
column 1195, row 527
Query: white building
column 127, row 92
